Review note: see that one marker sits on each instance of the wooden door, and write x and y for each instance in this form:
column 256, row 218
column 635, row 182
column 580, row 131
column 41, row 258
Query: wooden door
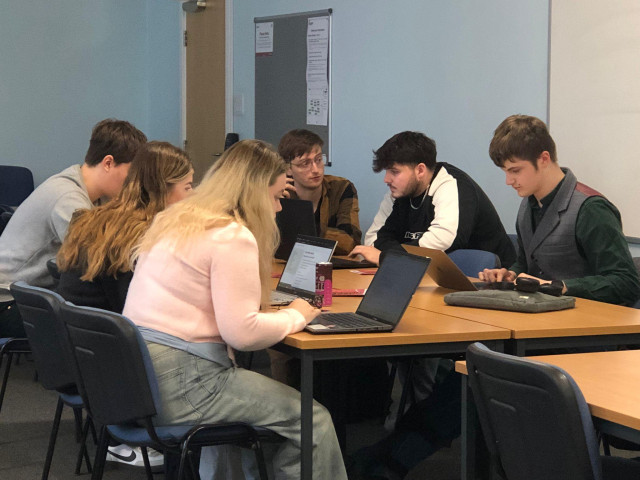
column 205, row 85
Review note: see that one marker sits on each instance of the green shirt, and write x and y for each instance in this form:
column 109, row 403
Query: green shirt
column 601, row 242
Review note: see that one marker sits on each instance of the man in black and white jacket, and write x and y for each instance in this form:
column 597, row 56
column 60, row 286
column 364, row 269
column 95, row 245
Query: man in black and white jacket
column 436, row 204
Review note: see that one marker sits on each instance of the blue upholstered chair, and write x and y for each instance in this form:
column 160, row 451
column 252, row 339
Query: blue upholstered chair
column 39, row 309
column 536, row 422
column 115, row 376
column 472, row 261
column 8, row 348
column 514, row 239
column 16, row 184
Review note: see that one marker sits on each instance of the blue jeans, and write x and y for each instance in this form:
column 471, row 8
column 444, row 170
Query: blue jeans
column 194, row 390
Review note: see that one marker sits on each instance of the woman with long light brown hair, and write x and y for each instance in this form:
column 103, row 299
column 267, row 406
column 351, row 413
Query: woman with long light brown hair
column 203, row 272
column 95, row 257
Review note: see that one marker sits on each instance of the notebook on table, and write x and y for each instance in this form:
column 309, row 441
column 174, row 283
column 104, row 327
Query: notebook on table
column 298, row 279
column 444, row 271
column 385, row 301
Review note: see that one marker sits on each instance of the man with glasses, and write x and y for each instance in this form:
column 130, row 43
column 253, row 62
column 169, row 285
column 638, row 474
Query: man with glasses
column 335, row 200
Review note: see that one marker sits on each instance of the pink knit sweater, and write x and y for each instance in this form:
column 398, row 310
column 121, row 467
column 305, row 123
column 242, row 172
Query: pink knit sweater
column 208, row 292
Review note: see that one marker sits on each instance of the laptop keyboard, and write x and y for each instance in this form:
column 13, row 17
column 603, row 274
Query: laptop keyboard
column 281, row 298
column 344, row 319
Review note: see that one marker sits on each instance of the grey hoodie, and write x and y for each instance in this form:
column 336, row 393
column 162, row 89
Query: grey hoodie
column 36, row 229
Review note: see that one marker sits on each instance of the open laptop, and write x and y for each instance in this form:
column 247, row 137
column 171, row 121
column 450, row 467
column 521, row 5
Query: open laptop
column 298, row 278
column 295, row 218
column 385, row 301
column 443, row 270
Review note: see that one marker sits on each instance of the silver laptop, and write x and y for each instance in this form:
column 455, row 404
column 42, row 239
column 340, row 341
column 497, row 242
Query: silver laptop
column 298, row 278
column 443, row 270
column 384, row 303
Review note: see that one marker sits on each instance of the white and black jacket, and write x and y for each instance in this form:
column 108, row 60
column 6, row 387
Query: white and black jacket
column 455, row 213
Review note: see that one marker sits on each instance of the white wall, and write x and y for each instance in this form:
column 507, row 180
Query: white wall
column 66, row 64
column 453, row 70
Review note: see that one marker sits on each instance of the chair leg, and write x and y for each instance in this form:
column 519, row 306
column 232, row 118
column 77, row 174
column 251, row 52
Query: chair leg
column 193, row 466
column 101, row 454
column 405, row 391
column 52, row 439
column 93, row 430
column 77, row 415
column 147, row 466
column 262, row 466
column 605, row 446
column 5, row 376
column 183, row 460
column 83, row 447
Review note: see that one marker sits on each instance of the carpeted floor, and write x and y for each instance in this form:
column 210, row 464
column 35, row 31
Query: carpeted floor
column 27, row 415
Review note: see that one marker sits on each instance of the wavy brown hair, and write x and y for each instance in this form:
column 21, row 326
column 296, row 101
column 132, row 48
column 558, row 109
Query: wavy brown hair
column 235, row 189
column 101, row 240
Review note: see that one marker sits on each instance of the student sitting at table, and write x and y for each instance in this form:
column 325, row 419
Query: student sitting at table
column 95, row 257
column 203, row 272
column 384, row 210
column 437, row 205
column 38, row 226
column 335, row 199
column 567, row 231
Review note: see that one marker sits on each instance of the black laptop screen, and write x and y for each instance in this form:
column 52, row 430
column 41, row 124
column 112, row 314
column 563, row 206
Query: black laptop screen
column 393, row 286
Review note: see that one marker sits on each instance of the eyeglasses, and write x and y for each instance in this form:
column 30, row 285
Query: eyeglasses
column 306, row 163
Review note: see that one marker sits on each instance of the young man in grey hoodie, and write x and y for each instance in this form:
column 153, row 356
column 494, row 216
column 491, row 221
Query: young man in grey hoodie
column 37, row 228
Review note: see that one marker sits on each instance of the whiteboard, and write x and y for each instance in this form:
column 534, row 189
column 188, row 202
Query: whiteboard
column 594, row 98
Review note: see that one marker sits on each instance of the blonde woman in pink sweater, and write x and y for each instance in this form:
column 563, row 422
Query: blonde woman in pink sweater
column 202, row 274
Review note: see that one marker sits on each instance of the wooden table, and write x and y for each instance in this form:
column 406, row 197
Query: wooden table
column 418, row 333
column 609, row 381
column 431, row 327
column 589, row 324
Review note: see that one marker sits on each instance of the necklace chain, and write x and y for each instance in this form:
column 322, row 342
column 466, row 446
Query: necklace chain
column 424, row 195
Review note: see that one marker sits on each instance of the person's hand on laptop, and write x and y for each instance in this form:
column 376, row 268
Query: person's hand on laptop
column 497, row 275
column 308, row 311
column 289, row 188
column 371, row 254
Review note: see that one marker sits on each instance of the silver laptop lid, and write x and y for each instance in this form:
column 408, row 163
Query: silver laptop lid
column 442, row 269
column 299, row 274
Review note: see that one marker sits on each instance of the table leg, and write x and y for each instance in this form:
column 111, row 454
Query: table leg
column 306, row 412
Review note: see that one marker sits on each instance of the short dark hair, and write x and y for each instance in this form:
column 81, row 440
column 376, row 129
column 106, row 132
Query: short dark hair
column 521, row 136
column 296, row 143
column 113, row 137
column 405, row 148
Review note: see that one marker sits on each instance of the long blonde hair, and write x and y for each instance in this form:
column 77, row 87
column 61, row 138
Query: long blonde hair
column 235, row 189
column 100, row 240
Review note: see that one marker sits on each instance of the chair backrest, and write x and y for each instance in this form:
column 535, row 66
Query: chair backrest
column 16, row 184
column 534, row 418
column 52, row 267
column 514, row 239
column 40, row 312
column 115, row 374
column 472, row 261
